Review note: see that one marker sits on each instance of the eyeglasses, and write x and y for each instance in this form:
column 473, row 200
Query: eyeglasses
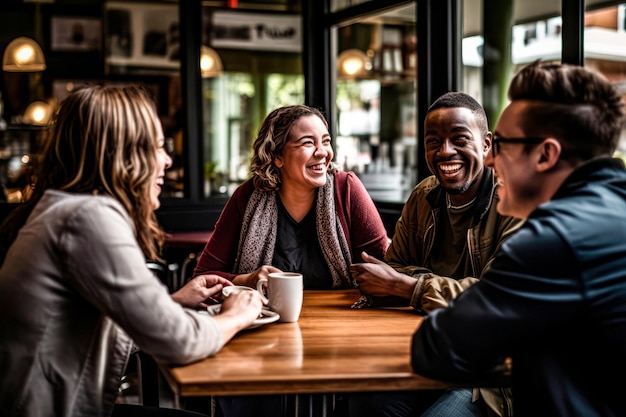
column 497, row 140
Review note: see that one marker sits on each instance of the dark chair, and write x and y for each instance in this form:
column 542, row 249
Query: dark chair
column 189, row 264
column 142, row 373
column 140, row 383
column 148, row 373
column 166, row 273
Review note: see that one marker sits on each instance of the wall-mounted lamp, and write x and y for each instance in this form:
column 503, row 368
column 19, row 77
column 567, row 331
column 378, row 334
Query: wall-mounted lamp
column 23, row 55
column 37, row 113
column 210, row 63
column 353, row 63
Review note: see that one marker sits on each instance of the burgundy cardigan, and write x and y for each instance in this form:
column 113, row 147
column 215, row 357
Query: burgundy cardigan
column 357, row 214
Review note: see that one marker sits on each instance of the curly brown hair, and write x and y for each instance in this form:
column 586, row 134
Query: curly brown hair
column 271, row 140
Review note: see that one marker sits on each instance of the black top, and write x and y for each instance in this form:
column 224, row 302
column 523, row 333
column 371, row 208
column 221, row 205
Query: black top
column 298, row 249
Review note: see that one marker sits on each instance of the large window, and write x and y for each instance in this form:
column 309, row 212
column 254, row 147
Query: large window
column 375, row 90
column 537, row 33
column 255, row 66
column 234, row 106
column 605, row 49
column 376, row 116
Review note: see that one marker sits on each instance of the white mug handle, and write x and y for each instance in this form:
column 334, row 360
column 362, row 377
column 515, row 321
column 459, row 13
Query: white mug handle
column 262, row 282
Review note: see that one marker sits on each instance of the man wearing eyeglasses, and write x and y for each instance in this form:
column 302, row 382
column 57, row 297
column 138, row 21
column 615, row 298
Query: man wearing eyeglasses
column 447, row 235
column 554, row 298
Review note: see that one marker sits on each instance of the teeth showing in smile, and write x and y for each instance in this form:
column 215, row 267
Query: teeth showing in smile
column 160, row 181
column 318, row 167
column 448, row 169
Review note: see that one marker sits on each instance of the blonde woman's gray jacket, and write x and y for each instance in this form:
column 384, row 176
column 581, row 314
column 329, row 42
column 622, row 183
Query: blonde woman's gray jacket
column 74, row 292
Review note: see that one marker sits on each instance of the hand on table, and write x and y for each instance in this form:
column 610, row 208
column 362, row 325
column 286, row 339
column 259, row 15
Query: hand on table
column 199, row 289
column 251, row 279
column 377, row 279
column 247, row 304
column 238, row 311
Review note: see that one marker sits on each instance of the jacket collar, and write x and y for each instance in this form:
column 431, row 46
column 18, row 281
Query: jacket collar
column 597, row 169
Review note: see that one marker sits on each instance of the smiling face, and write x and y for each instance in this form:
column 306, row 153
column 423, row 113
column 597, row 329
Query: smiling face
column 519, row 185
column 455, row 150
column 164, row 161
column 306, row 156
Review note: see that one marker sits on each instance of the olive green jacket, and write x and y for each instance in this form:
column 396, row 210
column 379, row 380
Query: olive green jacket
column 415, row 234
column 413, row 242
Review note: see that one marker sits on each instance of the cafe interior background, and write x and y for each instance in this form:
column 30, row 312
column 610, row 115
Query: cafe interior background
column 216, row 68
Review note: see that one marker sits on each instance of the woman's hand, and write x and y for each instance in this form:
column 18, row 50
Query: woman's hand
column 251, row 279
column 238, row 311
column 199, row 289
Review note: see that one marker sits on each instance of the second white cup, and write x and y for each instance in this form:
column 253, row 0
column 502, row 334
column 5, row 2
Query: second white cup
column 284, row 294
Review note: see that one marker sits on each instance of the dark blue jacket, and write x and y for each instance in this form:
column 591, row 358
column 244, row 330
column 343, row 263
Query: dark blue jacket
column 554, row 300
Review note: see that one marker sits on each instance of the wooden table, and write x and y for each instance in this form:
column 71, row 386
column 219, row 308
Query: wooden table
column 331, row 349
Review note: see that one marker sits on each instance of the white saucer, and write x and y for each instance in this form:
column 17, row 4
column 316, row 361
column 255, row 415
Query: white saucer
column 266, row 316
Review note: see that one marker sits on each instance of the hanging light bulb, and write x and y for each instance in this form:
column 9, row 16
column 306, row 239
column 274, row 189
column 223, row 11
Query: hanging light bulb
column 353, row 63
column 37, row 113
column 23, row 55
column 210, row 63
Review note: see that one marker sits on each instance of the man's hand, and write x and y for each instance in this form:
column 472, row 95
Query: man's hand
column 377, row 279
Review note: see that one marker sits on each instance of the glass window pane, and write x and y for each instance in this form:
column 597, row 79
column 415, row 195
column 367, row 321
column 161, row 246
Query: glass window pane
column 540, row 39
column 537, row 34
column 231, row 126
column 605, row 50
column 375, row 97
column 499, row 37
column 259, row 75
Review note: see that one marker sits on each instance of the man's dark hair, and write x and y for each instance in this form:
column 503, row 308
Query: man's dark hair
column 455, row 99
column 574, row 104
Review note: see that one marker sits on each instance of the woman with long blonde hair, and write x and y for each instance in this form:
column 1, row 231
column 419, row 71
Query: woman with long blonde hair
column 75, row 293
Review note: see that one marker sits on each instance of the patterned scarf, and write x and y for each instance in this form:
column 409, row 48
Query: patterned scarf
column 258, row 234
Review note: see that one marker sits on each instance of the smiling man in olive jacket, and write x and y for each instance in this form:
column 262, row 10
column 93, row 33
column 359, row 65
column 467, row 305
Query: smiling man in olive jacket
column 554, row 298
column 446, row 237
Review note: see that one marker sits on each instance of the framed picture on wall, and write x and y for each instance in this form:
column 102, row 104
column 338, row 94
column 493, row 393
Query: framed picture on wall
column 70, row 34
column 141, row 36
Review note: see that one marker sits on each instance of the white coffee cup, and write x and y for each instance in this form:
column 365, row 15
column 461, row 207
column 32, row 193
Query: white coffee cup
column 284, row 294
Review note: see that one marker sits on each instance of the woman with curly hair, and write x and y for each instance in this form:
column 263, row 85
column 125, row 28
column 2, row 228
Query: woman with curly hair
column 297, row 213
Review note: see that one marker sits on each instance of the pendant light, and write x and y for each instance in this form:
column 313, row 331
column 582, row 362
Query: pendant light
column 210, row 63
column 37, row 113
column 23, row 55
column 353, row 64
